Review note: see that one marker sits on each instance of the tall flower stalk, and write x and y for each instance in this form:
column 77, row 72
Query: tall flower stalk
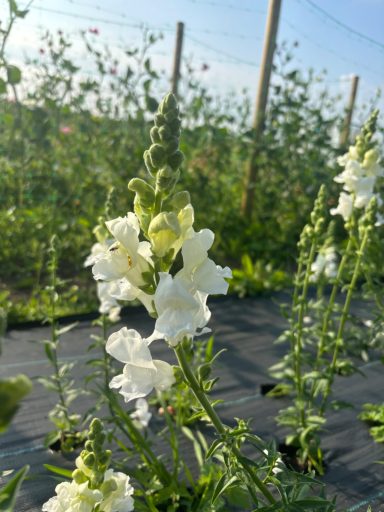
column 156, row 257
column 319, row 352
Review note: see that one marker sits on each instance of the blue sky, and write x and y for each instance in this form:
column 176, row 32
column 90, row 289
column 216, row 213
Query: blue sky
column 228, row 35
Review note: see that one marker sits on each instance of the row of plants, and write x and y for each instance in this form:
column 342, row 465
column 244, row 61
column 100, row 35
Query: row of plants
column 68, row 134
column 155, row 255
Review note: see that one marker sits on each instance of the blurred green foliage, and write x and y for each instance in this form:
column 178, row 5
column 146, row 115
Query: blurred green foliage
column 72, row 135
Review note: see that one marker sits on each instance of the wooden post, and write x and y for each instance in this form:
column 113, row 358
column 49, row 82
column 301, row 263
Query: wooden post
column 344, row 136
column 261, row 101
column 177, row 56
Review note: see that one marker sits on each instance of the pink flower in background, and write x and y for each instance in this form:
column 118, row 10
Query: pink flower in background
column 65, row 130
column 113, row 71
column 41, row 51
column 94, row 30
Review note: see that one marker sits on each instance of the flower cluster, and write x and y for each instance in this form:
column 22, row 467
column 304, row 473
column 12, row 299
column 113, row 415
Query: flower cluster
column 94, row 486
column 361, row 171
column 136, row 263
column 324, row 264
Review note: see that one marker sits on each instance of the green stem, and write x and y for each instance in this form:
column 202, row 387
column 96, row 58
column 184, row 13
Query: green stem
column 343, row 320
column 216, row 421
column 298, row 345
column 332, row 299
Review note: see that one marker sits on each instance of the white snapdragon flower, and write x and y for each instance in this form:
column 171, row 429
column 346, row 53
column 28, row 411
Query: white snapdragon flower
column 358, row 179
column 141, row 414
column 119, row 499
column 108, row 303
column 141, row 373
column 180, row 312
column 127, row 257
column 325, row 262
column 73, row 497
column 364, row 191
column 345, row 206
column 125, row 261
column 99, row 250
column 200, row 271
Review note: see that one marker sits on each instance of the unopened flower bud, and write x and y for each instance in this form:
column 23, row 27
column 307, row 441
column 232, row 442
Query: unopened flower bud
column 159, row 120
column 371, row 158
column 109, row 486
column 175, row 160
column 165, row 133
column 154, row 133
column 166, row 179
column 148, row 163
column 105, row 457
column 171, row 145
column 89, row 460
column 168, row 103
column 88, row 445
column 96, row 425
column 157, row 155
column 144, row 191
column 78, row 476
column 163, row 231
column 180, row 200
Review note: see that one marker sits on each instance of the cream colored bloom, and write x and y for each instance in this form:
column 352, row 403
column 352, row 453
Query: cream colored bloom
column 180, row 312
column 127, row 257
column 141, row 373
column 120, row 498
column 73, row 497
column 141, row 414
column 345, row 206
column 325, row 263
column 200, row 272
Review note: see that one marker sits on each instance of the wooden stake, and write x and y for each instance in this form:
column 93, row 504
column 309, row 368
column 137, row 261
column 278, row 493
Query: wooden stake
column 177, row 56
column 261, row 101
column 344, row 136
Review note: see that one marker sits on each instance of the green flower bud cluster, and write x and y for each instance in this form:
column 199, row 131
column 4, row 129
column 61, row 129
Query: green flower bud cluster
column 164, row 150
column 330, row 235
column 94, row 459
column 368, row 220
column 318, row 212
column 162, row 161
column 364, row 140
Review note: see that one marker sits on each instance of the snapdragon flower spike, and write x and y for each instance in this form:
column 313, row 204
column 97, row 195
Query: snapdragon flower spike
column 94, row 486
column 141, row 373
column 362, row 168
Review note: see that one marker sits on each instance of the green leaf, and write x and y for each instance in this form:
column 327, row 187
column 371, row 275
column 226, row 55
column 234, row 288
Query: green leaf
column 222, row 485
column 49, row 348
column 9, row 492
column 13, row 75
column 59, row 471
column 216, row 445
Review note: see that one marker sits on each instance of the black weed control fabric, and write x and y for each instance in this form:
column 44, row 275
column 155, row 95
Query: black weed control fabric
column 247, row 329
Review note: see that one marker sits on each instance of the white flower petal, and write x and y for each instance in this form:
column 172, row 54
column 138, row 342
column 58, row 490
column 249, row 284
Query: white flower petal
column 127, row 346
column 164, row 377
column 195, row 250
